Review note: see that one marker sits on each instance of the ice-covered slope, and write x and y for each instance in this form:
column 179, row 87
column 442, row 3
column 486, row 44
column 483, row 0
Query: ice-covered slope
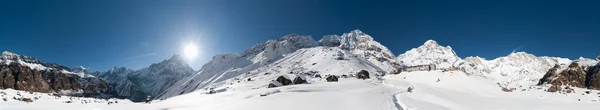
column 430, row 53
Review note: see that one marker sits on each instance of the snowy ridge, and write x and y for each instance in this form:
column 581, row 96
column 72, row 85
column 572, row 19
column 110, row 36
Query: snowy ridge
column 223, row 67
column 430, row 53
column 365, row 46
column 293, row 53
column 35, row 64
column 149, row 81
column 518, row 69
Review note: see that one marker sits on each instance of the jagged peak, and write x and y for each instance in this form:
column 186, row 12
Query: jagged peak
column 356, row 31
column 357, row 34
column 176, row 57
column 290, row 35
column 7, row 53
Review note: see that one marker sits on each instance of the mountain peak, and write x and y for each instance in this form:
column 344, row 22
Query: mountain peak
column 176, row 57
column 356, row 31
column 430, row 53
column 431, row 43
column 7, row 53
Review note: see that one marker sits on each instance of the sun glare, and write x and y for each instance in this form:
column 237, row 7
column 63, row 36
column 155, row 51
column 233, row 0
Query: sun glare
column 190, row 51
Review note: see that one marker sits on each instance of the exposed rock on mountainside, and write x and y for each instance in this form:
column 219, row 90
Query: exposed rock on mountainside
column 29, row 74
column 364, row 45
column 580, row 73
column 223, row 67
column 573, row 76
column 592, row 77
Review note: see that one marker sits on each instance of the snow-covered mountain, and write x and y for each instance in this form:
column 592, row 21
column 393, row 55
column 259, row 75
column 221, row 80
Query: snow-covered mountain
column 430, row 53
column 336, row 55
column 30, row 74
column 517, row 69
column 363, row 45
column 149, row 81
column 240, row 81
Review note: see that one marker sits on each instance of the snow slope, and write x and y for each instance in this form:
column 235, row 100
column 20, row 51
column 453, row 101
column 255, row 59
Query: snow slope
column 458, row 91
column 454, row 91
column 47, row 101
column 353, row 51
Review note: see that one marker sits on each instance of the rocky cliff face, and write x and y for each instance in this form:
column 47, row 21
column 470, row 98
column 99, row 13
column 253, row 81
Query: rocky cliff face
column 592, row 77
column 577, row 74
column 29, row 74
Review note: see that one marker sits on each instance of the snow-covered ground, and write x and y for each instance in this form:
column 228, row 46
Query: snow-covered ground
column 457, row 91
column 454, row 91
column 48, row 101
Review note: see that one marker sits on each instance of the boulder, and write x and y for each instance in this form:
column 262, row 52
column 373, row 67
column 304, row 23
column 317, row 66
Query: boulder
column 299, row 80
column 508, row 90
column 363, row 74
column 317, row 76
column 332, row 78
column 274, row 84
column 553, row 89
column 284, row 80
column 26, row 100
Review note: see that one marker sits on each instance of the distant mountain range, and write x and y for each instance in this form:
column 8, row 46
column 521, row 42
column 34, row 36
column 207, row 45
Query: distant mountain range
column 27, row 73
column 292, row 54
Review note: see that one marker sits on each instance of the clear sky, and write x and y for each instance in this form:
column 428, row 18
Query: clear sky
column 105, row 33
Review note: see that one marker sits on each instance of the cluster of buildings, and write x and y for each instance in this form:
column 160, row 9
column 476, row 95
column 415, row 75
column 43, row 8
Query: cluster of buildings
column 428, row 67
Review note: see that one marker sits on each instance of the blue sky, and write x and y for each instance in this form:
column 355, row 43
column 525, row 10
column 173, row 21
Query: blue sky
column 134, row 34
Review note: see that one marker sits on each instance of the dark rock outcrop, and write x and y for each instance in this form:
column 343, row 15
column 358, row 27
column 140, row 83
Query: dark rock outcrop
column 363, row 74
column 592, row 77
column 29, row 74
column 299, row 80
column 284, row 80
column 20, row 77
column 332, row 78
column 274, row 84
column 574, row 76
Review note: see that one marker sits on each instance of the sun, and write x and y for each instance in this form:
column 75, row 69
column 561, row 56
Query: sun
column 190, row 51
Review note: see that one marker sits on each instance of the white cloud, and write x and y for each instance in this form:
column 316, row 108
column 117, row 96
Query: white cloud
column 144, row 55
